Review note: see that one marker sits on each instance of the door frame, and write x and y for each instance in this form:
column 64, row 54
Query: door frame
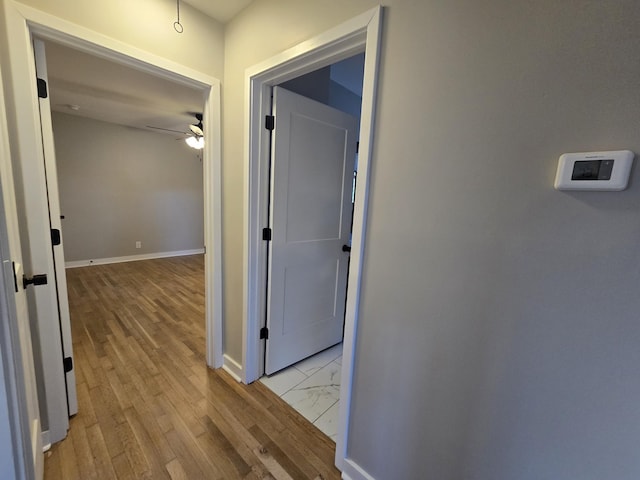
column 19, row 416
column 23, row 22
column 362, row 33
column 16, row 436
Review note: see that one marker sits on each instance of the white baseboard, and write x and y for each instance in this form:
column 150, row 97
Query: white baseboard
column 132, row 258
column 46, row 442
column 352, row 471
column 232, row 367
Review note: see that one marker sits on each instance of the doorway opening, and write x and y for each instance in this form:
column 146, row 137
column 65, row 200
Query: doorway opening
column 116, row 174
column 130, row 188
column 25, row 24
column 316, row 219
column 358, row 35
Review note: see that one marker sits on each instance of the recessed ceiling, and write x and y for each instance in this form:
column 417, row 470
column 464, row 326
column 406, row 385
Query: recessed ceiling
column 88, row 86
column 221, row 10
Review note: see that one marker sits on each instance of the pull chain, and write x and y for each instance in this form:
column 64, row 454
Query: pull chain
column 177, row 26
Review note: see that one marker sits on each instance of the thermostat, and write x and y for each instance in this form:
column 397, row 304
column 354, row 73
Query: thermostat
column 594, row 170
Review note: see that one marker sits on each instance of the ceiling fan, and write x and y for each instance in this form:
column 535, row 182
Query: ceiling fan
column 194, row 138
column 197, row 139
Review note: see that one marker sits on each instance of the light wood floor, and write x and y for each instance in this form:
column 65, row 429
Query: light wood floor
column 150, row 408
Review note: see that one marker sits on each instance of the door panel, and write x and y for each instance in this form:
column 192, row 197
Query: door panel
column 310, row 294
column 313, row 155
column 315, row 180
column 55, row 223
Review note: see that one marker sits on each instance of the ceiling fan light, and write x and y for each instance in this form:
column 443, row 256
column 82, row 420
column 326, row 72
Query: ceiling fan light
column 195, row 142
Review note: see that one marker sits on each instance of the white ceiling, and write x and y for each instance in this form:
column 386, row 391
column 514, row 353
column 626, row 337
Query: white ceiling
column 111, row 92
column 221, row 10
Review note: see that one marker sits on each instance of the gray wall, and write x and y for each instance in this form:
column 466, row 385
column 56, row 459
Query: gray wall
column 119, row 185
column 314, row 85
column 345, row 100
column 499, row 334
column 319, row 85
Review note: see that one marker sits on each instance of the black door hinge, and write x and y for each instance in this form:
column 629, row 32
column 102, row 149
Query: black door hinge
column 42, row 88
column 357, row 147
column 266, row 234
column 55, row 237
column 269, row 122
column 264, row 333
column 68, row 364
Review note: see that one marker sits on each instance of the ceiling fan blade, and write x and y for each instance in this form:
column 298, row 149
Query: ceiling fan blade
column 167, row 129
column 198, row 115
column 197, row 130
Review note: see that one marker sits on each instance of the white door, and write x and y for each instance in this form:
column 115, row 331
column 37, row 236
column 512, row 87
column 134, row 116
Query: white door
column 15, row 334
column 312, row 160
column 59, row 274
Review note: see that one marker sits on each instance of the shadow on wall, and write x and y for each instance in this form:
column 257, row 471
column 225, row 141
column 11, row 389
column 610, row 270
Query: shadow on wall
column 338, row 85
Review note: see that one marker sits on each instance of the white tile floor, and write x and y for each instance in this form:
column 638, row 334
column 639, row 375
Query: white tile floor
column 312, row 387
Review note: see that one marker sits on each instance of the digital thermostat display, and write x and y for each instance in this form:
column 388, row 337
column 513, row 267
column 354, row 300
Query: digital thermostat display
column 594, row 170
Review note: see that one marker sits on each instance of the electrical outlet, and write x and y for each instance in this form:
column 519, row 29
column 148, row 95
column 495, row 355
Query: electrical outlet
column 138, row 244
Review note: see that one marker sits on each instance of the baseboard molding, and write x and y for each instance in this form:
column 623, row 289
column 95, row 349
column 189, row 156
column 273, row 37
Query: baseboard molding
column 46, row 441
column 232, row 367
column 352, row 471
column 132, row 258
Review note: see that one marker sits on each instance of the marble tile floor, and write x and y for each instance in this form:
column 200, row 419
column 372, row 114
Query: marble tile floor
column 312, row 388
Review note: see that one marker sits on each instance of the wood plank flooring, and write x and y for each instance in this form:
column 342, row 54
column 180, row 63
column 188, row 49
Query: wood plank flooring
column 149, row 408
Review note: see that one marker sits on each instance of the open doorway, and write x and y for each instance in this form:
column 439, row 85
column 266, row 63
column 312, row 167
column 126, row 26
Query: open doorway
column 360, row 34
column 28, row 139
column 130, row 187
column 312, row 193
column 118, row 179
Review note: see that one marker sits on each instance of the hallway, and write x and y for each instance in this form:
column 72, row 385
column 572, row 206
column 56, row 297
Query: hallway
column 150, row 408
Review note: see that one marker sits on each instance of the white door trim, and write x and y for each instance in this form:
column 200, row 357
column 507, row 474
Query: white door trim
column 361, row 33
column 21, row 434
column 16, row 436
column 22, row 23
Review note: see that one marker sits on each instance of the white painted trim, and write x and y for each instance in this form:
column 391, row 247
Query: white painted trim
column 20, row 453
column 212, row 179
column 353, row 471
column 132, row 258
column 362, row 33
column 367, row 124
column 232, row 367
column 16, row 357
column 46, row 441
column 23, row 112
column 22, row 23
column 37, row 448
